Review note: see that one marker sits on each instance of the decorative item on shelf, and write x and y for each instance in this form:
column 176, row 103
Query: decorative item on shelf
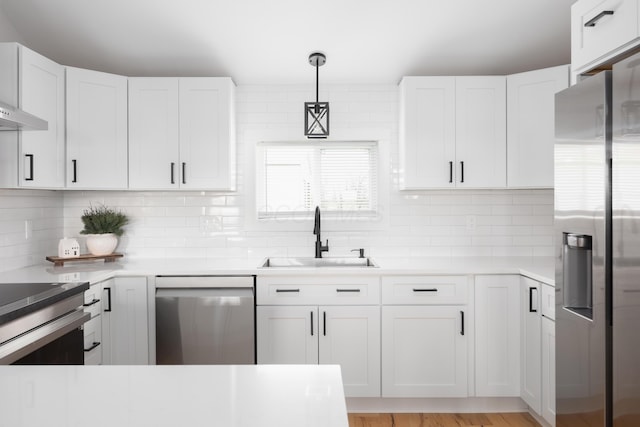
column 102, row 225
column 316, row 114
column 68, row 248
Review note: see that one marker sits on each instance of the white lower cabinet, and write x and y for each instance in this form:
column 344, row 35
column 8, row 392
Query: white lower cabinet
column 348, row 336
column 424, row 351
column 425, row 336
column 497, row 335
column 531, row 340
column 287, row 334
column 92, row 330
column 549, row 370
column 322, row 319
column 538, row 348
column 125, row 321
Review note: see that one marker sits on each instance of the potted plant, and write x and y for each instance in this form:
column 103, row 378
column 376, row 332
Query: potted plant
column 102, row 225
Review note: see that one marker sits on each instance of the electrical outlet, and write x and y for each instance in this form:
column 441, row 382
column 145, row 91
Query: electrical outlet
column 471, row 222
column 28, row 229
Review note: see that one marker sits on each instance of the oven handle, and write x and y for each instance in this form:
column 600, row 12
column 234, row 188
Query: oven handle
column 25, row 344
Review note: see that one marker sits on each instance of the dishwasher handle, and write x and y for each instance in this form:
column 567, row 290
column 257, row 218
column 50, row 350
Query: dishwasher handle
column 204, row 292
column 205, row 281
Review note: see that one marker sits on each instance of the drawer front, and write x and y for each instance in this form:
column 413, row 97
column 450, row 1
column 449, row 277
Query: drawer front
column 608, row 33
column 92, row 302
column 318, row 290
column 92, row 332
column 425, row 289
column 548, row 301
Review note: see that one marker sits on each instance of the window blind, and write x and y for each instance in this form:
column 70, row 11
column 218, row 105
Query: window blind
column 295, row 177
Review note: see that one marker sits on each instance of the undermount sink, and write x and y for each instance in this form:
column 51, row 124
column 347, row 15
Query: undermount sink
column 298, row 262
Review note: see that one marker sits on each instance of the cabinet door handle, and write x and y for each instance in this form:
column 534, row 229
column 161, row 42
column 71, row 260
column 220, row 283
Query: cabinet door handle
column 184, row 173
column 461, row 322
column 425, row 290
column 287, row 290
column 74, row 162
column 108, row 308
column 30, row 177
column 89, row 304
column 347, row 290
column 173, row 166
column 450, row 172
column 94, row 345
column 592, row 22
column 461, row 171
column 531, row 309
column 311, row 322
column 324, row 323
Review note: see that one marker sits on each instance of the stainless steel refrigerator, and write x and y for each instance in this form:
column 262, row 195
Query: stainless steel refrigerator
column 597, row 222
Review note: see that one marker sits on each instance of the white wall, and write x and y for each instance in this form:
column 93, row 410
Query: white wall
column 208, row 224
column 7, row 31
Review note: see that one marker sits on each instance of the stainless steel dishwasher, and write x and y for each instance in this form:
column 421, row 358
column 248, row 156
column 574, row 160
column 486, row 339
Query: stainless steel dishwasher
column 205, row 320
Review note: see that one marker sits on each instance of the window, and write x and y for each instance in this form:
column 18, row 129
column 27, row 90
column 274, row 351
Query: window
column 295, row 177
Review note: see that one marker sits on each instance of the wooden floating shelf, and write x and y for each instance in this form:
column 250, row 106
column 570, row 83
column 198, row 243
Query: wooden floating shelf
column 59, row 261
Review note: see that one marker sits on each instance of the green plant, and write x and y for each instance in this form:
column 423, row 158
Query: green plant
column 102, row 220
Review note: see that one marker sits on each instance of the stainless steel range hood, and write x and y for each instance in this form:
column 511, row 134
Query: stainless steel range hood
column 12, row 118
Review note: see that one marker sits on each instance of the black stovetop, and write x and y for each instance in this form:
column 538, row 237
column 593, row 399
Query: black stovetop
column 19, row 299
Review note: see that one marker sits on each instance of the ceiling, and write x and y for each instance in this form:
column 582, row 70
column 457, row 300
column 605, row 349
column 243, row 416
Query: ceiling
column 269, row 41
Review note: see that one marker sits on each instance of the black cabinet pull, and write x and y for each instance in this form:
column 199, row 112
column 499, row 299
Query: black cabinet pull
column 94, row 345
column 347, row 290
column 450, row 172
column 461, row 322
column 592, row 22
column 30, row 157
column 74, row 162
column 461, row 171
column 184, row 173
column 108, row 299
column 324, row 323
column 89, row 304
column 173, row 166
column 425, row 290
column 311, row 323
column 287, row 290
column 531, row 309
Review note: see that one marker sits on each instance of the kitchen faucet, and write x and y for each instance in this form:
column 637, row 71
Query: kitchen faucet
column 316, row 230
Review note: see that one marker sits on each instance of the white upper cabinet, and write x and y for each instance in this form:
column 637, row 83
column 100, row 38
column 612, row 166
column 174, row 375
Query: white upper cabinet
column 602, row 29
column 531, row 127
column 427, row 132
column 452, row 132
column 481, row 151
column 33, row 159
column 181, row 133
column 153, row 133
column 96, row 130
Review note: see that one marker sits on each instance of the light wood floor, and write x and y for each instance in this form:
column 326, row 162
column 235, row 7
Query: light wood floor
column 443, row 420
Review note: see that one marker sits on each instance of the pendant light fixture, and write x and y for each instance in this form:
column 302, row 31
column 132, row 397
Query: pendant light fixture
column 316, row 114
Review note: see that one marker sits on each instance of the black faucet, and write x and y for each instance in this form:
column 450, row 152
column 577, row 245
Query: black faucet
column 316, row 230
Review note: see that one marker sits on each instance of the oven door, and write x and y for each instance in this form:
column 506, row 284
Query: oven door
column 59, row 341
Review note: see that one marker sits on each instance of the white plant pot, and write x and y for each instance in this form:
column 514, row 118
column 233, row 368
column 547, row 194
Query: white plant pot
column 101, row 244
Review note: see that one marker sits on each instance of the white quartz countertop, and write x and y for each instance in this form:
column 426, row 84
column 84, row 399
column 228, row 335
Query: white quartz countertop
column 194, row 396
column 538, row 268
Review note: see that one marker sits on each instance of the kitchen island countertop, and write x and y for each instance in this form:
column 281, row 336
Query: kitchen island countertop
column 192, row 395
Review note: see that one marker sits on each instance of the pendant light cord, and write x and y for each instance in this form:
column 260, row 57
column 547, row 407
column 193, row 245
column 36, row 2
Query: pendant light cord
column 317, row 79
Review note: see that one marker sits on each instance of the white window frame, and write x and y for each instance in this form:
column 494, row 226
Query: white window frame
column 379, row 221
column 294, row 212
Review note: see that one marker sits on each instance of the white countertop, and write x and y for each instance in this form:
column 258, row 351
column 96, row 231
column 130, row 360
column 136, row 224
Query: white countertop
column 194, row 396
column 538, row 268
